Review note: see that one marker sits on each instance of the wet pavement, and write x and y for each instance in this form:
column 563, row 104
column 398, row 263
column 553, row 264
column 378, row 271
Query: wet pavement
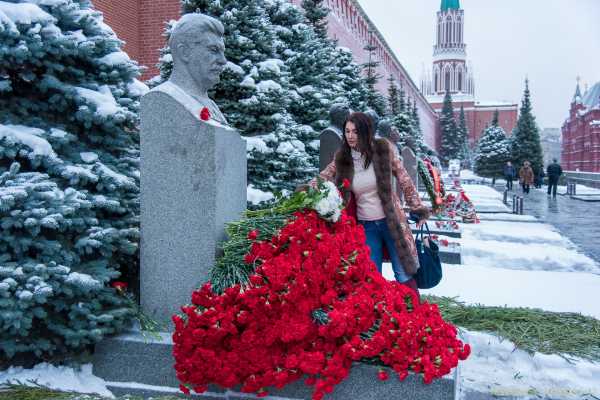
column 578, row 220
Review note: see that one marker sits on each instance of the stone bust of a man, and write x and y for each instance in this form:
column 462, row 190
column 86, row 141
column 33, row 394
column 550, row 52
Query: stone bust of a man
column 198, row 52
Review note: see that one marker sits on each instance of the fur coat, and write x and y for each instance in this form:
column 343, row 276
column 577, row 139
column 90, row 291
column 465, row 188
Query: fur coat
column 386, row 165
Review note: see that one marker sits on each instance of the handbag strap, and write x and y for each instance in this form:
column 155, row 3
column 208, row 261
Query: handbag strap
column 421, row 232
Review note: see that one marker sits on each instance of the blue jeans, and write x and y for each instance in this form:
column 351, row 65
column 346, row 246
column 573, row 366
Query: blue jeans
column 378, row 234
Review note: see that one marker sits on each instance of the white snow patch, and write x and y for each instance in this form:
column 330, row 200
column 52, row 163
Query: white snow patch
column 59, row 378
column 79, row 279
column 29, row 137
column 256, row 196
column 546, row 290
column 272, row 65
column 137, row 88
column 257, row 144
column 88, row 156
column 115, row 58
column 25, row 13
column 496, row 367
column 235, row 68
column 105, row 103
column 248, row 82
column 265, row 86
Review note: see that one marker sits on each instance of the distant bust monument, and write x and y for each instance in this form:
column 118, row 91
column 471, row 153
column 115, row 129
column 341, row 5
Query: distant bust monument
column 198, row 51
column 331, row 137
column 372, row 114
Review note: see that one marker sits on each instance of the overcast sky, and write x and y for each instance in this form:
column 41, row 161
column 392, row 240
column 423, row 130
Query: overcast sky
column 551, row 41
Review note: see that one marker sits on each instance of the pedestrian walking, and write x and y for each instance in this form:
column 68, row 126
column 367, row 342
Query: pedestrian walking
column 539, row 178
column 554, row 172
column 526, row 176
column 509, row 175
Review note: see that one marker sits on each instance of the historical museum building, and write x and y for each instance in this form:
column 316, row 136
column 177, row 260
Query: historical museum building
column 451, row 72
column 581, row 132
column 141, row 23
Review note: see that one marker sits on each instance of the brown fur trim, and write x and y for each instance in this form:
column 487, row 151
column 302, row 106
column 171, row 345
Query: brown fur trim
column 421, row 212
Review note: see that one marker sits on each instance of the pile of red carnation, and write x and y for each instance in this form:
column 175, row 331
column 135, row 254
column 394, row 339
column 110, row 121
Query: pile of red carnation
column 315, row 305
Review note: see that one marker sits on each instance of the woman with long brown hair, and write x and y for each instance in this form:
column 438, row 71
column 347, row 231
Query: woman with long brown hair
column 376, row 177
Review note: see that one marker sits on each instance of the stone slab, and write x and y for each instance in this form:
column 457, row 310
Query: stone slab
column 589, row 197
column 134, row 365
column 452, row 234
column 450, row 257
column 193, row 181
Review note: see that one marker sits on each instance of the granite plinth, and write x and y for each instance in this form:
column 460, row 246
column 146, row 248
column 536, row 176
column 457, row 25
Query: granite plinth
column 132, row 364
column 329, row 142
column 193, row 181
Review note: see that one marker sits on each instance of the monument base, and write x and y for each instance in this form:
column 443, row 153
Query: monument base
column 141, row 366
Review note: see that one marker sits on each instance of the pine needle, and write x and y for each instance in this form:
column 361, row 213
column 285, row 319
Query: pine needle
column 532, row 330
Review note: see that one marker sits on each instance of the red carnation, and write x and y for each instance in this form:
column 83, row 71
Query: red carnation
column 120, row 286
column 382, row 375
column 346, row 184
column 252, row 235
column 444, row 242
column 204, row 114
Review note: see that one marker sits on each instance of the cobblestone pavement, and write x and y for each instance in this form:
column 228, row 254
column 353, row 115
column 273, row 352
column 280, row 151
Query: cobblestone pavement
column 578, row 220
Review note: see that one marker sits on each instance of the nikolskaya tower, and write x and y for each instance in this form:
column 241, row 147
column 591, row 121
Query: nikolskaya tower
column 450, row 69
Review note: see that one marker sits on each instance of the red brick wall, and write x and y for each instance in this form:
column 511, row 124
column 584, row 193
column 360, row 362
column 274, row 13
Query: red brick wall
column 140, row 23
column 123, row 17
column 153, row 16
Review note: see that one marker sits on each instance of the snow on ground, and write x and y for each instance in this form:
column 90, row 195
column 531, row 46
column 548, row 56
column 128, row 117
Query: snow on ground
column 59, row 378
column 495, row 367
column 580, row 189
column 547, row 290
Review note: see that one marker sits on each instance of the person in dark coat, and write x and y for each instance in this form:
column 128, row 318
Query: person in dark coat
column 509, row 175
column 554, row 172
column 539, row 179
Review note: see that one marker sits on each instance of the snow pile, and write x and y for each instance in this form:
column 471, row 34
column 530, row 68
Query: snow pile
column 29, row 137
column 106, row 105
column 257, row 196
column 59, row 378
column 495, row 367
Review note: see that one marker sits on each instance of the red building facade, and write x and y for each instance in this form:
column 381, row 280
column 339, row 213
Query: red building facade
column 141, row 23
column 451, row 72
column 581, row 132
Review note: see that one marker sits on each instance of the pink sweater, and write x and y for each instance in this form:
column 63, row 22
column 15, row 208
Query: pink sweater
column 364, row 187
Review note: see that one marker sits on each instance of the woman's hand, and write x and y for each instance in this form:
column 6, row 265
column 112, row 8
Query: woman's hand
column 420, row 223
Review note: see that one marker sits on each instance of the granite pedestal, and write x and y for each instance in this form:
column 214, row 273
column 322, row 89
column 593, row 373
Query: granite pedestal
column 145, row 367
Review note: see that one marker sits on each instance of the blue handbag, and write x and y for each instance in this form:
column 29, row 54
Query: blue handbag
column 429, row 273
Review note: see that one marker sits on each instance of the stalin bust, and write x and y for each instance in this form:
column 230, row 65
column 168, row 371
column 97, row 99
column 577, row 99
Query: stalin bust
column 198, row 51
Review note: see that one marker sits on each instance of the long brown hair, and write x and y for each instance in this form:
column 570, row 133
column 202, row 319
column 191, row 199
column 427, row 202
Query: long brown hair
column 365, row 133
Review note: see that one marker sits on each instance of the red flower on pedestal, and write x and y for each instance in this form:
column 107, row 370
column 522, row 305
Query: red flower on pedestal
column 120, row 286
column 346, row 184
column 204, row 114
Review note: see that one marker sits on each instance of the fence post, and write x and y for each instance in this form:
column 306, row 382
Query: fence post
column 520, row 205
column 505, row 196
column 514, row 203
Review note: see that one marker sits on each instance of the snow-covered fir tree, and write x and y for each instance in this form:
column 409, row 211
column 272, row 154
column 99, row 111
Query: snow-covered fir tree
column 348, row 74
column 69, row 176
column 316, row 13
column 492, row 151
column 463, row 133
column 525, row 143
column 451, row 142
column 375, row 100
column 399, row 113
column 417, row 133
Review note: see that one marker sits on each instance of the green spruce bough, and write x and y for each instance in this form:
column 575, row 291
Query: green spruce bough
column 69, row 176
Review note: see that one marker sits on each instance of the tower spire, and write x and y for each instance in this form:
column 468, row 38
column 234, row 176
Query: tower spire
column 577, row 96
column 450, row 5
